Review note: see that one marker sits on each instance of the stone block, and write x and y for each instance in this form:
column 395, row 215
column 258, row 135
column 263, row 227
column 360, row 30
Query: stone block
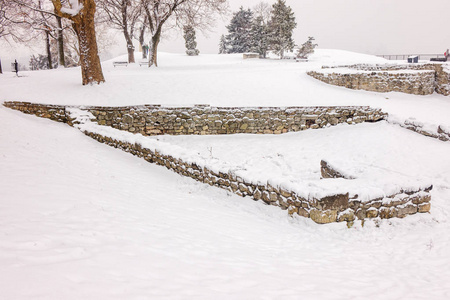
column 372, row 213
column 387, row 212
column 337, row 202
column 346, row 216
column 303, row 212
column 327, row 171
column 407, row 209
column 424, row 207
column 323, row 217
column 292, row 210
column 421, row 198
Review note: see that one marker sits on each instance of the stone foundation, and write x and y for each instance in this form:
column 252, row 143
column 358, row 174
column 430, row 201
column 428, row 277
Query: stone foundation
column 418, row 79
column 205, row 120
column 333, row 208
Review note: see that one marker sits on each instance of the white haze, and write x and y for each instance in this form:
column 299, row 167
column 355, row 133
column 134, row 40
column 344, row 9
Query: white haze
column 364, row 26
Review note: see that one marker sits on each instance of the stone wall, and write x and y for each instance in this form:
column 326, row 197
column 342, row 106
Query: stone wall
column 443, row 79
column 336, row 208
column 418, row 82
column 205, row 120
column 52, row 112
column 418, row 79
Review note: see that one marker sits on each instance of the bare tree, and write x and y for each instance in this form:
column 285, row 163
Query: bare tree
column 142, row 29
column 124, row 15
column 4, row 22
column 31, row 16
column 263, row 10
column 82, row 15
column 14, row 22
column 197, row 13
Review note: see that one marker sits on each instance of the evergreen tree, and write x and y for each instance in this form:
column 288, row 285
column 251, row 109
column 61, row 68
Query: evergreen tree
column 223, row 45
column 281, row 25
column 306, row 48
column 189, row 38
column 259, row 36
column 40, row 62
column 239, row 38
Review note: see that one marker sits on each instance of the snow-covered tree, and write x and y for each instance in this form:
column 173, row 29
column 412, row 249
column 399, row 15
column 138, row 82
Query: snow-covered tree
column 259, row 36
column 40, row 62
column 223, row 45
column 282, row 24
column 82, row 15
column 239, row 35
column 5, row 23
column 306, row 48
column 190, row 42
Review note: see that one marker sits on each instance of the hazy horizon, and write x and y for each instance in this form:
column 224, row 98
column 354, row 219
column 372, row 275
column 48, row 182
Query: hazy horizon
column 365, row 26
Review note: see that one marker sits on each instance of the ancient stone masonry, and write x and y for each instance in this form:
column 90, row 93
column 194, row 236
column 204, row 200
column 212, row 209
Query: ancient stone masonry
column 335, row 208
column 52, row 112
column 205, row 120
column 154, row 120
column 418, row 79
column 441, row 133
column 443, row 79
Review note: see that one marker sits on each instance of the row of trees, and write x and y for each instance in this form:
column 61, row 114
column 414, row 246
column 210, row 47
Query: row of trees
column 24, row 20
column 258, row 30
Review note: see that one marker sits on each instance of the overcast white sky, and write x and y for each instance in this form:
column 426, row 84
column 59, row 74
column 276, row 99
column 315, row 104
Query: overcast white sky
column 366, row 26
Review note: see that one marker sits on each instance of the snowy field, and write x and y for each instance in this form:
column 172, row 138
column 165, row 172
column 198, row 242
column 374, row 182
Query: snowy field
column 80, row 220
column 220, row 80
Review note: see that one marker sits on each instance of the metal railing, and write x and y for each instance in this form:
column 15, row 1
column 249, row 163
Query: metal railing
column 405, row 56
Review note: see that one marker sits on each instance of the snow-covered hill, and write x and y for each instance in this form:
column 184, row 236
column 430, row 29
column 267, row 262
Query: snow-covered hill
column 80, row 220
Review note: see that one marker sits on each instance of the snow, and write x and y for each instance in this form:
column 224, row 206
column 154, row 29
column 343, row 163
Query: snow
column 75, row 8
column 355, row 150
column 356, row 71
column 80, row 220
column 216, row 80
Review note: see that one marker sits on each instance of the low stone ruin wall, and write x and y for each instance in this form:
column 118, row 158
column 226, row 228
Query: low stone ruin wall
column 420, row 79
column 48, row 111
column 336, row 208
column 205, row 120
column 418, row 83
column 443, row 79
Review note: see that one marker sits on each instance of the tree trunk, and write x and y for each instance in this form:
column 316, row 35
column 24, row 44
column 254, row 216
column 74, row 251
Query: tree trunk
column 49, row 52
column 127, row 35
column 84, row 26
column 91, row 69
column 1, row 72
column 61, row 59
column 130, row 47
column 153, row 54
column 141, row 42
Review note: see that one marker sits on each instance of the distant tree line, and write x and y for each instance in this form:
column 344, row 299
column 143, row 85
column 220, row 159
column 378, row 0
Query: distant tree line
column 258, row 30
column 262, row 29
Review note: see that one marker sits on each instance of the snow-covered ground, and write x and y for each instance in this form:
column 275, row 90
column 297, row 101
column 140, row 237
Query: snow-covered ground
column 382, row 159
column 80, row 220
column 219, row 80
